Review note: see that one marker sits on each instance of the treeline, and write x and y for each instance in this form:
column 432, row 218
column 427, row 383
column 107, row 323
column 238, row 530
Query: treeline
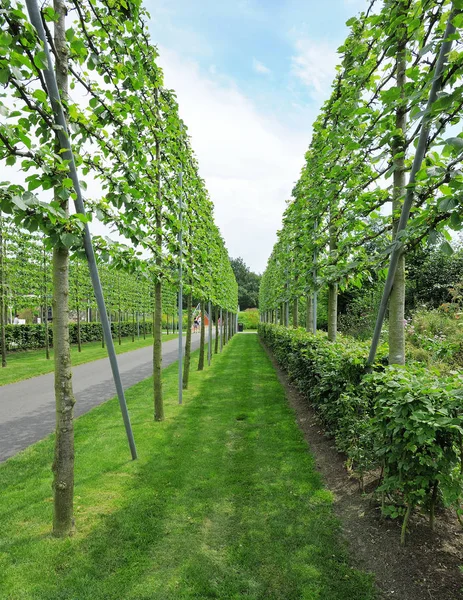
column 382, row 175
column 111, row 131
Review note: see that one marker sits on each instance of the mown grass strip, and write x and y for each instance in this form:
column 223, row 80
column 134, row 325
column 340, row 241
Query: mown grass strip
column 223, row 503
column 24, row 365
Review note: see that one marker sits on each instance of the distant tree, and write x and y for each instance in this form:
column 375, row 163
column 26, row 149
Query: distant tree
column 248, row 284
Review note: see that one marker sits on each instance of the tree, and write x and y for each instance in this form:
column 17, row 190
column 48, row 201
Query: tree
column 248, row 284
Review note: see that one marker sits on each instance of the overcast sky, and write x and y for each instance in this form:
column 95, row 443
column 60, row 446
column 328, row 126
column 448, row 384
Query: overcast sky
column 250, row 76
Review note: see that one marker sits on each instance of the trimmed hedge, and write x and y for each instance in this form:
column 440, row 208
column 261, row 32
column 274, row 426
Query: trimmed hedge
column 32, row 337
column 407, row 422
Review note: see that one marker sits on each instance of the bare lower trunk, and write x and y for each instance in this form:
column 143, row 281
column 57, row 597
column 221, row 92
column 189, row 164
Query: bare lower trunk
column 187, row 357
column 202, row 340
column 332, row 311
column 216, row 347
column 63, row 465
column 309, row 313
column 225, row 327
column 295, row 313
column 157, row 354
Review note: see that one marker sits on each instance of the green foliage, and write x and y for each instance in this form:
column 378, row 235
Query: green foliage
column 246, row 516
column 248, row 284
column 249, row 318
column 31, row 337
column 405, row 420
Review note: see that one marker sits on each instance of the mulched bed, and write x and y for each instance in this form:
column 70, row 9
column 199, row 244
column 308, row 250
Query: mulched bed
column 426, row 568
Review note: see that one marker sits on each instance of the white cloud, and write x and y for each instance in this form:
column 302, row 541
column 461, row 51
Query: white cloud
column 249, row 161
column 259, row 67
column 315, row 65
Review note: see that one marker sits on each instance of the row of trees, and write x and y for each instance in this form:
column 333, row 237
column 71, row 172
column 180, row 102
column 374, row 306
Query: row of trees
column 133, row 158
column 383, row 170
column 26, row 286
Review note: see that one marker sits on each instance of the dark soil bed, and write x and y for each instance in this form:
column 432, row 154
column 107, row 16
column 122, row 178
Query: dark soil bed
column 426, row 568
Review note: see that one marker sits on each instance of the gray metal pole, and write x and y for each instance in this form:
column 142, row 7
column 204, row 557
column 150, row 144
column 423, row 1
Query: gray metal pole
column 410, row 193
column 221, row 330
column 62, row 132
column 180, row 290
column 209, row 346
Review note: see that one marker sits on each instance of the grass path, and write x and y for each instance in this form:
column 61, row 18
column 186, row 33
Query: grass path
column 24, row 365
column 223, row 503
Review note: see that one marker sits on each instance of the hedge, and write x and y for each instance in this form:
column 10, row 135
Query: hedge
column 406, row 422
column 32, row 337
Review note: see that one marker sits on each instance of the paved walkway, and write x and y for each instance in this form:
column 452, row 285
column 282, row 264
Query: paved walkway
column 27, row 408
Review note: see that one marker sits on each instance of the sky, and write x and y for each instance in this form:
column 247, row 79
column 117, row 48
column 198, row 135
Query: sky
column 250, row 76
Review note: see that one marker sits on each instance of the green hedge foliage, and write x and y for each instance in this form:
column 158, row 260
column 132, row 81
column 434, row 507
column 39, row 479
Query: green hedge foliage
column 32, row 337
column 406, row 422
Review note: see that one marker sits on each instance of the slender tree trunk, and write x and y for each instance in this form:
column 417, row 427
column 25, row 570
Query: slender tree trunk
column 295, row 313
column 216, row 347
column 157, row 354
column 167, row 324
column 225, row 327
column 397, row 296
column 187, row 357
column 144, row 325
column 332, row 311
column 119, row 326
column 133, row 326
column 309, row 313
column 2, row 296
column 221, row 330
column 63, row 464
column 202, row 340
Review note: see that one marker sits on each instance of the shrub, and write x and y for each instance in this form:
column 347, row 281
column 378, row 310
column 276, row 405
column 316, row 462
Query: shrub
column 405, row 420
column 32, row 337
column 249, row 318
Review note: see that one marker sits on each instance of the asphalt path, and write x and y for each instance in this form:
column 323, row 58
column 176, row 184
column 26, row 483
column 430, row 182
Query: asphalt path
column 27, row 408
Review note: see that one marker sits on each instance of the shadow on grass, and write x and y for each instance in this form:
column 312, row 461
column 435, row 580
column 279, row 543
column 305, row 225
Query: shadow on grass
column 227, row 505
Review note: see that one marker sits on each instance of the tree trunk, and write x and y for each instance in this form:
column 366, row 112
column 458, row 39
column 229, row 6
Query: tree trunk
column 332, row 311
column 216, row 346
column 144, row 325
column 119, row 319
column 309, row 313
column 63, row 464
column 295, row 313
column 187, row 357
column 157, row 354
column 2, row 296
column 202, row 340
column 221, row 330
column 397, row 296
column 157, row 324
column 133, row 326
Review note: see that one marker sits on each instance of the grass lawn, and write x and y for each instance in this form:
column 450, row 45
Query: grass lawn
column 23, row 365
column 223, row 503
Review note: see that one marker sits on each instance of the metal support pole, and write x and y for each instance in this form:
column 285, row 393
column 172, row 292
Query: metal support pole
column 410, row 193
column 63, row 137
column 209, row 332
